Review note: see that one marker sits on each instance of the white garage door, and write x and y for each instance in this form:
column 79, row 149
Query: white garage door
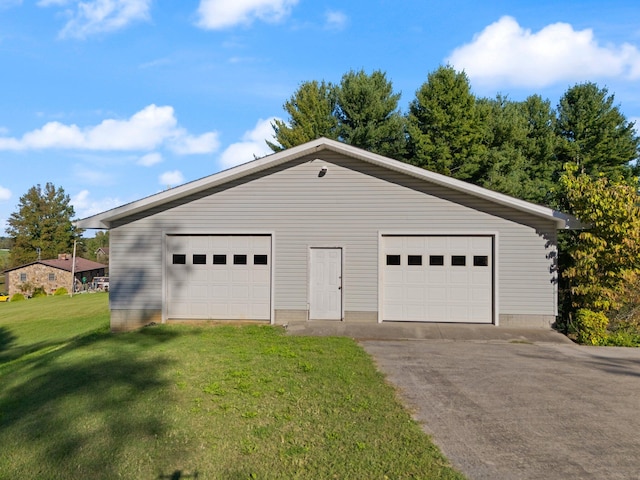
column 437, row 278
column 225, row 277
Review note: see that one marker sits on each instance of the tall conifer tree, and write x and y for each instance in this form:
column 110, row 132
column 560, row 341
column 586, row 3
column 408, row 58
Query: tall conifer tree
column 41, row 225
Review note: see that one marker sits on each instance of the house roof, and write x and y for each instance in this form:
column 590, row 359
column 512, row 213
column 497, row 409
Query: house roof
column 106, row 219
column 82, row 265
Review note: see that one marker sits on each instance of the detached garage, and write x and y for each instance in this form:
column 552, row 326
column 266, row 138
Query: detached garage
column 326, row 231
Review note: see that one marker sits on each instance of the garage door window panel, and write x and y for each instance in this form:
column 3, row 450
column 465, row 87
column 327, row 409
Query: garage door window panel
column 414, row 260
column 179, row 259
column 393, row 260
column 436, row 260
column 260, row 260
column 458, row 260
column 480, row 260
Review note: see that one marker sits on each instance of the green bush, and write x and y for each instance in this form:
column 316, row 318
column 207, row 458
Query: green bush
column 17, row 297
column 61, row 291
column 39, row 292
column 624, row 332
column 591, row 327
column 621, row 338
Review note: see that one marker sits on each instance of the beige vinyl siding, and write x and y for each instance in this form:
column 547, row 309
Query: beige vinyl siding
column 348, row 207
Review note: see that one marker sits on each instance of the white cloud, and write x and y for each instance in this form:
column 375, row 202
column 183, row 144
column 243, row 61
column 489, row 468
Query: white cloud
column 253, row 145
column 150, row 159
column 218, row 14
column 171, row 179
column 185, row 144
column 148, row 129
column 506, row 53
column 5, row 193
column 85, row 206
column 92, row 176
column 99, row 16
column 335, row 20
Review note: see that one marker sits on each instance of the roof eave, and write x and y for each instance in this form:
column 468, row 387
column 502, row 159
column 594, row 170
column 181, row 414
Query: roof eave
column 562, row 220
column 106, row 219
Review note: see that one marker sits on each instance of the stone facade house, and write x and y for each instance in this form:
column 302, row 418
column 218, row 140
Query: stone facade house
column 51, row 274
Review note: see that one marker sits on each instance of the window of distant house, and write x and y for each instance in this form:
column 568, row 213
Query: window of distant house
column 52, row 277
column 23, row 277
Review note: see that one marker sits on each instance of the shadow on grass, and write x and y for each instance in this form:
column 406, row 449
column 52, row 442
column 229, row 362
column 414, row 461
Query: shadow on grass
column 13, row 353
column 177, row 475
column 6, row 340
column 86, row 410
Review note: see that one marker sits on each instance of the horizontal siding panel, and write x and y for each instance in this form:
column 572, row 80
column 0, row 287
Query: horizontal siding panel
column 348, row 207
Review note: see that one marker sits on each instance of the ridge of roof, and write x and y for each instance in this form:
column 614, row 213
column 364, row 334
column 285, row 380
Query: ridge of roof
column 82, row 264
column 104, row 219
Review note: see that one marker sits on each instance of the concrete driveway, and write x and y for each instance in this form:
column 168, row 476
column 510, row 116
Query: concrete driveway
column 508, row 409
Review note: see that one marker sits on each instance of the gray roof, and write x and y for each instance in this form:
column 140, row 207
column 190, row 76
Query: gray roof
column 105, row 219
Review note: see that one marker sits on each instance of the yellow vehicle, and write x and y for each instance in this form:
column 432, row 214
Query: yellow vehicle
column 4, row 297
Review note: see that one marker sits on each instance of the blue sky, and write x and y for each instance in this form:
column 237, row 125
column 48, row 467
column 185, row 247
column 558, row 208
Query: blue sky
column 114, row 100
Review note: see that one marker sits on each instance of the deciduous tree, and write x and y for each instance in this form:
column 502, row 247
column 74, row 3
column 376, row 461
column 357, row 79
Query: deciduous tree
column 90, row 246
column 606, row 255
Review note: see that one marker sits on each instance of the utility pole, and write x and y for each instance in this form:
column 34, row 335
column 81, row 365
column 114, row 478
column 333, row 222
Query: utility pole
column 73, row 269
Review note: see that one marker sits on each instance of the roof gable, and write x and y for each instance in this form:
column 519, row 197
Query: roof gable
column 105, row 219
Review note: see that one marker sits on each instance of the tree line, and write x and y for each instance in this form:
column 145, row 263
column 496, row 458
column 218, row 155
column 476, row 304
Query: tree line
column 518, row 148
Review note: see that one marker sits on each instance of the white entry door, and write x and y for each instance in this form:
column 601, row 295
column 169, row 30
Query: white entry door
column 325, row 298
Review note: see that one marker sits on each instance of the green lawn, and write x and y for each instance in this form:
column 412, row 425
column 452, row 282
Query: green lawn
column 170, row 402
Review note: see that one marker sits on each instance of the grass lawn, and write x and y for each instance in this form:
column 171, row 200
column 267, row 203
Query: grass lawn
column 170, row 402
